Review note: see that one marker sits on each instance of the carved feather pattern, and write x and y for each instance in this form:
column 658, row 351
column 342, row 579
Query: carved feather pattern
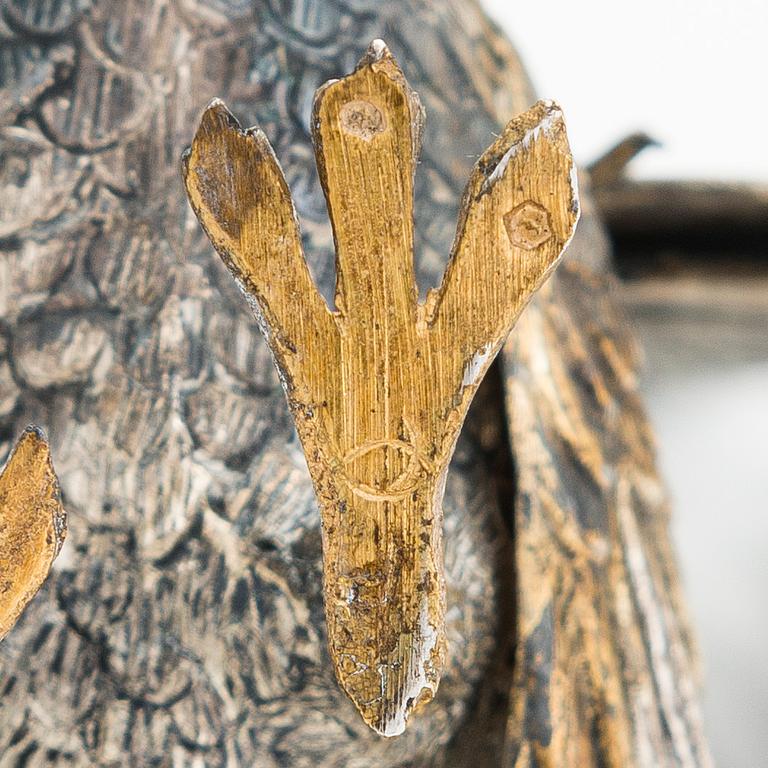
column 183, row 620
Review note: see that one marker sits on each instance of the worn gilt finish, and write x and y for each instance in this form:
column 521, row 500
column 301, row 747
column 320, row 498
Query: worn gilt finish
column 33, row 524
column 380, row 387
column 183, row 623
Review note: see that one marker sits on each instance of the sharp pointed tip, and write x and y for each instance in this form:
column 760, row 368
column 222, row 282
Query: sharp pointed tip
column 544, row 117
column 215, row 122
column 381, row 58
column 548, row 104
column 36, row 433
column 378, row 50
column 389, row 728
column 32, row 441
column 397, row 698
column 217, row 115
column 216, row 106
column 548, row 110
column 385, row 718
column 390, row 666
column 391, row 716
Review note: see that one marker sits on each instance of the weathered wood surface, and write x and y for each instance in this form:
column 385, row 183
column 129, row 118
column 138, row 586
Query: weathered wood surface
column 183, row 622
column 380, row 387
column 33, row 524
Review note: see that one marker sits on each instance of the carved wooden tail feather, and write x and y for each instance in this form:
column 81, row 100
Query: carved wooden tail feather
column 33, row 524
column 379, row 387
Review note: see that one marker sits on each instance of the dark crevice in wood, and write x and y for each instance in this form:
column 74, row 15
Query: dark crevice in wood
column 479, row 741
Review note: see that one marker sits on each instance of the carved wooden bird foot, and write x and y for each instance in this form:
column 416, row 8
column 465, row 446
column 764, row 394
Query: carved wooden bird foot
column 33, row 524
column 380, row 386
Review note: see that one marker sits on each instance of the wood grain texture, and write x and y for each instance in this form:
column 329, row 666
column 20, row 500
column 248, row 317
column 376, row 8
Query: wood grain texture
column 379, row 388
column 604, row 673
column 183, row 623
column 186, row 622
column 33, row 524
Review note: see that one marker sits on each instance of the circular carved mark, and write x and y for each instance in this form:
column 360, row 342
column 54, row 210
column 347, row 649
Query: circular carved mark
column 385, row 470
column 528, row 225
column 362, row 119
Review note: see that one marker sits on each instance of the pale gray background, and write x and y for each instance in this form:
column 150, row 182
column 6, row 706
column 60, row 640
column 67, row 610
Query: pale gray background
column 693, row 74
column 690, row 72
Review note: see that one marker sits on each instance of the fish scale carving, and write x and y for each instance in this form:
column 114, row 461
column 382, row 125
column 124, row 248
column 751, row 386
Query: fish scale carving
column 379, row 386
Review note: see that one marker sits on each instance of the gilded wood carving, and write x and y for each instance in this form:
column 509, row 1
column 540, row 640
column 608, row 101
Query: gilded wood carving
column 33, row 524
column 186, row 622
column 379, row 387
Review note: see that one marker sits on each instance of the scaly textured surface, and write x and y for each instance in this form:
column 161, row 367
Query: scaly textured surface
column 182, row 623
column 379, row 388
column 603, row 675
column 184, row 619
